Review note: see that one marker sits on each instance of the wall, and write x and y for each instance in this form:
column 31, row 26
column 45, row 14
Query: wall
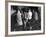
column 2, row 18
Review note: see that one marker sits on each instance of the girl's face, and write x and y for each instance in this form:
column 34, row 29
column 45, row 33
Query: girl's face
column 26, row 15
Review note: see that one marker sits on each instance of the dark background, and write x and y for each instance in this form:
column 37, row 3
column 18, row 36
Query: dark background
column 35, row 24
